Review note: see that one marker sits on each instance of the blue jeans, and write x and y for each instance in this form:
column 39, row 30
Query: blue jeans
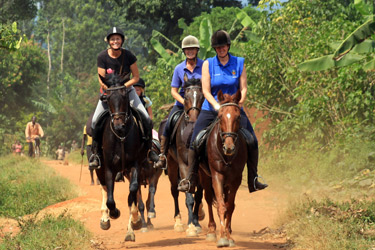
column 206, row 117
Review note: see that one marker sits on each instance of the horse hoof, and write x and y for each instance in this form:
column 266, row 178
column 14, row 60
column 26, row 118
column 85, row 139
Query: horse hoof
column 114, row 214
column 151, row 215
column 130, row 237
column 178, row 227
column 222, row 242
column 211, row 237
column 105, row 225
column 150, row 226
column 144, row 230
column 231, row 243
column 137, row 225
column 191, row 231
column 199, row 229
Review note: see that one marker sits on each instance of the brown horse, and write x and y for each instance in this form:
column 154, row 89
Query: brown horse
column 177, row 159
column 226, row 159
column 123, row 150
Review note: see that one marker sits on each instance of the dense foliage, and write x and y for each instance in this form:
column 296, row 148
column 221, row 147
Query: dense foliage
column 53, row 74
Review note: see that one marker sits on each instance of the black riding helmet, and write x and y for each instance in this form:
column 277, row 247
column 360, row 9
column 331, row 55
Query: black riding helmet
column 140, row 83
column 115, row 31
column 220, row 38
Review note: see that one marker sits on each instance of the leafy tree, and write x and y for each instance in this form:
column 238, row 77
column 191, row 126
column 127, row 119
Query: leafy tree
column 17, row 10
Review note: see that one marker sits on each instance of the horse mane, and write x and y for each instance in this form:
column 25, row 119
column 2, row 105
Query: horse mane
column 193, row 82
column 112, row 80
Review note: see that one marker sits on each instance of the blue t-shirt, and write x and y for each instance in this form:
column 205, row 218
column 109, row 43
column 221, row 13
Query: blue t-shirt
column 226, row 78
column 178, row 76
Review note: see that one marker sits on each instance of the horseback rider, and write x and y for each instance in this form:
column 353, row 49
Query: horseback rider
column 33, row 132
column 140, row 90
column 227, row 73
column 192, row 66
column 117, row 60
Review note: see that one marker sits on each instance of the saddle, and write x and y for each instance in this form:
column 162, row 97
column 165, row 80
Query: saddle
column 175, row 120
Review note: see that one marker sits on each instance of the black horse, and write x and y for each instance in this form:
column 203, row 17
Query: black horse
column 178, row 155
column 123, row 150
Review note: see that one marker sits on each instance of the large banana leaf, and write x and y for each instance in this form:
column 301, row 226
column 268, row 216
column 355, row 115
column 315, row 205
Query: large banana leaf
column 358, row 36
column 327, row 62
column 245, row 20
column 370, row 65
column 362, row 7
column 205, row 33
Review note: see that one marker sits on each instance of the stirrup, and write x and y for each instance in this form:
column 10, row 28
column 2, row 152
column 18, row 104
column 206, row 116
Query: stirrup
column 166, row 162
column 92, row 158
column 189, row 184
column 255, row 180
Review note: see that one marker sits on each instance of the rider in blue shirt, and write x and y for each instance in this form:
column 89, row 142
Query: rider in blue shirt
column 227, row 73
column 192, row 67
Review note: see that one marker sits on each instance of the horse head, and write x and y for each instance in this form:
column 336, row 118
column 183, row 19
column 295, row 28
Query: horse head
column 229, row 120
column 193, row 98
column 117, row 98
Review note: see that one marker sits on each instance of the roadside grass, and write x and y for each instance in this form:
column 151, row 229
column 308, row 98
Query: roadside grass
column 51, row 232
column 330, row 193
column 27, row 186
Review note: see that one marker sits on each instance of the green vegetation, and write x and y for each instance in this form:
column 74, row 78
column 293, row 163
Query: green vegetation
column 51, row 232
column 27, row 186
column 329, row 191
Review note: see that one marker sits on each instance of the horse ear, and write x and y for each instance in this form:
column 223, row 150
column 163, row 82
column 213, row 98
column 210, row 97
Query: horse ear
column 220, row 96
column 237, row 96
column 185, row 77
column 103, row 79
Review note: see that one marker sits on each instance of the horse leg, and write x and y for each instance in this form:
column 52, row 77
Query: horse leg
column 114, row 213
column 151, row 198
column 105, row 223
column 217, row 184
column 198, row 212
column 230, row 209
column 141, row 208
column 191, row 231
column 208, row 195
column 173, row 178
column 135, row 223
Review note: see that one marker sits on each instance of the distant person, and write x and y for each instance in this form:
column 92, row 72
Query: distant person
column 60, row 154
column 14, row 147
column 18, row 148
column 74, row 146
column 33, row 133
column 88, row 140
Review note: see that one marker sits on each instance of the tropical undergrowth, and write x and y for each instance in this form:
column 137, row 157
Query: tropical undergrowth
column 330, row 192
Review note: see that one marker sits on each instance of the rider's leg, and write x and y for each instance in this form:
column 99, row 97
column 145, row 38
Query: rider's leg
column 252, row 158
column 164, row 140
column 31, row 149
column 136, row 102
column 94, row 160
column 187, row 184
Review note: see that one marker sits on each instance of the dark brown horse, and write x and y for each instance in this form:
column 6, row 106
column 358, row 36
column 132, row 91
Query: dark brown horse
column 123, row 150
column 177, row 159
column 226, row 159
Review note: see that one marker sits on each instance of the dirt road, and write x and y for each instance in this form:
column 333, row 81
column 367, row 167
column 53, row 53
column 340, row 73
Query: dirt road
column 253, row 214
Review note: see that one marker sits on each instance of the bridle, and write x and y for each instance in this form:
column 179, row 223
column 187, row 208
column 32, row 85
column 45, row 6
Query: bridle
column 126, row 115
column 195, row 104
column 224, row 135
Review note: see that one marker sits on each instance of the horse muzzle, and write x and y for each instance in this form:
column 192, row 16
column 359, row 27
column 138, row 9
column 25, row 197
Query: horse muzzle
column 229, row 149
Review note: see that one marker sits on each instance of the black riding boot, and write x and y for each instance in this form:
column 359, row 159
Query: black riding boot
column 188, row 184
column 164, row 147
column 94, row 161
column 151, row 154
column 252, row 171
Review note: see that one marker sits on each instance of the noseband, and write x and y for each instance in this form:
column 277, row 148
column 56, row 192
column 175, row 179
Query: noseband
column 224, row 135
column 194, row 106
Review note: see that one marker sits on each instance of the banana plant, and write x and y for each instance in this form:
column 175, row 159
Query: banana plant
column 9, row 38
column 353, row 48
column 205, row 33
